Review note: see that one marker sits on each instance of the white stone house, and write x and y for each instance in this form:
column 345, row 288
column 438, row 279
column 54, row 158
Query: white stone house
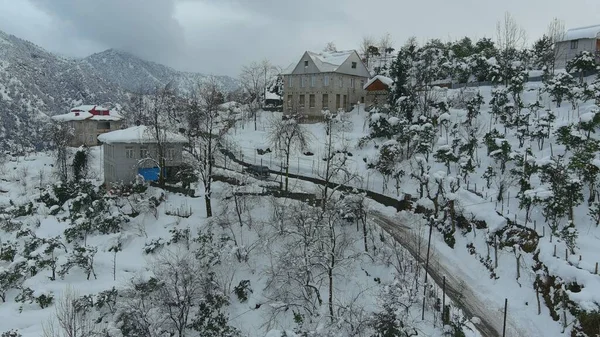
column 134, row 151
column 577, row 40
column 88, row 122
column 324, row 81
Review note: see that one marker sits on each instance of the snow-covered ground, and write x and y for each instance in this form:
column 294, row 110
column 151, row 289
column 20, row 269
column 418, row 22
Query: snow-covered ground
column 360, row 282
column 523, row 316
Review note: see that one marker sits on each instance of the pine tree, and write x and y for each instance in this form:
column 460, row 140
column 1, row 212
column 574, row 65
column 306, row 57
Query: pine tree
column 582, row 64
column 543, row 53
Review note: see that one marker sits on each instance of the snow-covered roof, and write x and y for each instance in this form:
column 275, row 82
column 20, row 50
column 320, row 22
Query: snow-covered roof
column 139, row 135
column 91, row 112
column 385, row 80
column 330, row 61
column 588, row 32
column 272, row 95
column 229, row 105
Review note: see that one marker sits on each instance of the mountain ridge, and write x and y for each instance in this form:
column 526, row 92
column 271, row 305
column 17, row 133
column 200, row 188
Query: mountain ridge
column 36, row 83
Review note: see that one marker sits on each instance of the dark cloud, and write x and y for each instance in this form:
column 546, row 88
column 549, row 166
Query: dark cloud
column 220, row 36
column 145, row 27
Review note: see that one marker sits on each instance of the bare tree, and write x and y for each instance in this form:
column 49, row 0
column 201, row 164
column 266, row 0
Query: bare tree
column 385, row 42
column 365, row 43
column 61, row 135
column 157, row 111
column 330, row 47
column 510, row 38
column 336, row 157
column 70, row 320
column 183, row 283
column 509, row 35
column 254, row 79
column 297, row 269
column 205, row 132
column 334, row 244
column 287, row 136
column 556, row 32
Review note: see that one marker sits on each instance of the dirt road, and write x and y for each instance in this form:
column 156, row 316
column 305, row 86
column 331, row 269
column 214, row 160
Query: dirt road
column 490, row 321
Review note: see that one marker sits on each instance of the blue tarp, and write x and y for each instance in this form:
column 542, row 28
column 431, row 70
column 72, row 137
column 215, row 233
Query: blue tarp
column 150, row 174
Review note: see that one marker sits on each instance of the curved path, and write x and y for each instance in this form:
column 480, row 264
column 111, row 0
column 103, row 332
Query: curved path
column 489, row 322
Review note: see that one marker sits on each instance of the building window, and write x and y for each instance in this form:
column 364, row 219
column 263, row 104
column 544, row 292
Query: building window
column 326, row 80
column 362, row 99
column 305, row 64
column 341, row 82
column 103, row 125
column 302, row 82
column 337, row 101
column 313, row 80
column 353, row 65
column 144, row 153
column 325, row 101
column 129, row 153
column 352, row 83
column 574, row 44
column 170, row 154
column 311, row 100
column 301, row 101
column 289, row 101
column 362, row 84
column 290, row 81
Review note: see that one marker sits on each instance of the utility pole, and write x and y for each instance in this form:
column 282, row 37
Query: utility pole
column 426, row 268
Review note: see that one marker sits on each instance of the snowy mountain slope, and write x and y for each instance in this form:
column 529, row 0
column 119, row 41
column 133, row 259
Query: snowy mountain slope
column 134, row 74
column 35, row 83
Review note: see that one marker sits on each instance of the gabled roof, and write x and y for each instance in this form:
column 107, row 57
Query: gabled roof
column 91, row 112
column 328, row 62
column 383, row 79
column 588, row 32
column 139, row 135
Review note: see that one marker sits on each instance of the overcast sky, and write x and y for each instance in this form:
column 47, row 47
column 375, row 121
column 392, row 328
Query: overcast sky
column 219, row 36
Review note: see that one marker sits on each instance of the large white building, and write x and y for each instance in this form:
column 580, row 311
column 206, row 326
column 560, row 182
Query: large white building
column 134, row 151
column 577, row 40
column 324, row 81
column 89, row 121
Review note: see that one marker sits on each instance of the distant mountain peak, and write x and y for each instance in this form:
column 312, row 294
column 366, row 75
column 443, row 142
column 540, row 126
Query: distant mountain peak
column 35, row 83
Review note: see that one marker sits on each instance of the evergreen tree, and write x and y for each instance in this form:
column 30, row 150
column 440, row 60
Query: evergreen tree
column 559, row 87
column 543, row 54
column 582, row 64
column 402, row 95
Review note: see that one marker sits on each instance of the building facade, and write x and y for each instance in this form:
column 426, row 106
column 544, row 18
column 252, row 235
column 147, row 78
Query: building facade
column 134, row 151
column 378, row 90
column 577, row 40
column 88, row 122
column 324, row 81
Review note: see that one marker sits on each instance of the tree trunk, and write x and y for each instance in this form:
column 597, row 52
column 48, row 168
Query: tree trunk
column 208, row 205
column 287, row 168
column 365, row 234
column 330, row 275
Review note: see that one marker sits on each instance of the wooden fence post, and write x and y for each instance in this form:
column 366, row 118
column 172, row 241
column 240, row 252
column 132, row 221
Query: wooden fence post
column 495, row 251
column 444, row 301
column 504, row 325
column 426, row 268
